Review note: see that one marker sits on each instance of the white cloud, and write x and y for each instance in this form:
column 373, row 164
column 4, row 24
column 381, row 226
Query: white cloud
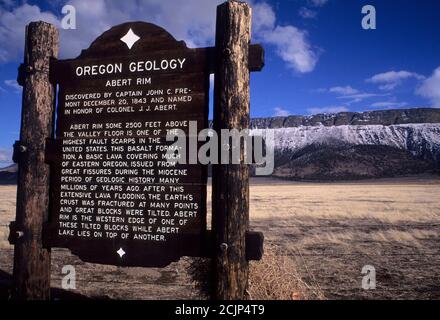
column 359, row 97
column 280, row 112
column 389, row 80
column 362, row 96
column 310, row 11
column 293, row 47
column 307, row 13
column 318, row 3
column 263, row 17
column 12, row 28
column 347, row 90
column 430, row 88
column 193, row 22
column 350, row 94
column 14, row 85
column 291, row 44
column 389, row 104
column 330, row 109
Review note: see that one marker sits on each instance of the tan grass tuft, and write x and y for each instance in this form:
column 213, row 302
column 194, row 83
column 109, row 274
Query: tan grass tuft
column 276, row 277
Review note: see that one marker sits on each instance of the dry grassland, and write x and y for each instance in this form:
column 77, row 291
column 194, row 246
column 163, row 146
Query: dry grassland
column 318, row 236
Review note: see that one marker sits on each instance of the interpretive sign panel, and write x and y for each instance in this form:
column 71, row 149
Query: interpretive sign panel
column 117, row 196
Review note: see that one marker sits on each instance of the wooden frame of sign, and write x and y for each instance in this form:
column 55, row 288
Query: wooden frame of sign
column 114, row 196
column 115, row 199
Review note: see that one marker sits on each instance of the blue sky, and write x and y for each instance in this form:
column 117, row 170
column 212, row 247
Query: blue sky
column 318, row 57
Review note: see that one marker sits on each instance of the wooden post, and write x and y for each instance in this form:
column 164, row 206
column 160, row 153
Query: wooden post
column 230, row 182
column 31, row 260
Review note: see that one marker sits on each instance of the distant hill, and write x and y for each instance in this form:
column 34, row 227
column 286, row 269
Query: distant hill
column 351, row 145
column 379, row 117
column 350, row 162
column 8, row 175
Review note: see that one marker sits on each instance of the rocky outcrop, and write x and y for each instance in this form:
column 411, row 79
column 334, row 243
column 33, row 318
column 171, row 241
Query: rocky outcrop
column 421, row 140
column 380, row 117
column 350, row 162
column 351, row 145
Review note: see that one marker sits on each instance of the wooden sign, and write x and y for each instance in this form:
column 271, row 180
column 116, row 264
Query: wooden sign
column 116, row 192
column 116, row 195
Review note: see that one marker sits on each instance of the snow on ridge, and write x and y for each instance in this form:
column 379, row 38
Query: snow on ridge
column 421, row 139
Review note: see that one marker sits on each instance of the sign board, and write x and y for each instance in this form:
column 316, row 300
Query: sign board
column 116, row 196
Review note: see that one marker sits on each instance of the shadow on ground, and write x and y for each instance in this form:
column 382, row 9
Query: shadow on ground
column 56, row 293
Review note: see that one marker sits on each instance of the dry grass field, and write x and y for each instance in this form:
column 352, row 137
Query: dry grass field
column 331, row 230
column 318, row 237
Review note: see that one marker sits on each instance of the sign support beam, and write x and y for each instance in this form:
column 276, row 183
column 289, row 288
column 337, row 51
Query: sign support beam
column 31, row 260
column 230, row 182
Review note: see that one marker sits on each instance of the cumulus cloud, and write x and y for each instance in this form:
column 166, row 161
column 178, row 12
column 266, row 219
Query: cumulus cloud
column 307, row 13
column 13, row 84
column 310, row 11
column 390, row 80
column 329, row 109
column 263, row 17
column 430, row 88
column 195, row 26
column 12, row 29
column 193, row 22
column 291, row 43
column 280, row 112
column 293, row 47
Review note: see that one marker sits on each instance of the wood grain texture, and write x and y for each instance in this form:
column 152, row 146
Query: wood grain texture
column 31, row 260
column 231, row 182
